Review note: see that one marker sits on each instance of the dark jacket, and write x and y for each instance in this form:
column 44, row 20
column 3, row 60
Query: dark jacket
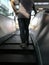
column 25, row 8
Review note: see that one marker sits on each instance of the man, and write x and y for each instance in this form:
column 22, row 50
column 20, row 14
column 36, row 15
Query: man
column 24, row 15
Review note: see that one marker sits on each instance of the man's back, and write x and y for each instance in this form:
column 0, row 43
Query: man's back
column 27, row 4
column 25, row 8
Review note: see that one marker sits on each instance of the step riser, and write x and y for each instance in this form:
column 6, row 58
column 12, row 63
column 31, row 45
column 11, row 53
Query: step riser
column 17, row 58
column 16, row 51
column 5, row 63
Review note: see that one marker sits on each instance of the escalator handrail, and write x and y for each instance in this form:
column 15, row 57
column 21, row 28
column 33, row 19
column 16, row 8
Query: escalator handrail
column 37, row 50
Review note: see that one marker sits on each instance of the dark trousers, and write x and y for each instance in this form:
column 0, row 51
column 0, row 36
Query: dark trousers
column 24, row 29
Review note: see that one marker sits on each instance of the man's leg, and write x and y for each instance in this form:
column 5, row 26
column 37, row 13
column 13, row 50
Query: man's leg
column 27, row 21
column 22, row 28
column 22, row 32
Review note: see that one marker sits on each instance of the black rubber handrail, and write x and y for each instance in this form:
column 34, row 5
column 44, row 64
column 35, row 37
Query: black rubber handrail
column 37, row 50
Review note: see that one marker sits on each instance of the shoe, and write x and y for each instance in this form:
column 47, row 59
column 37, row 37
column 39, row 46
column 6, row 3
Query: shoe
column 27, row 43
column 23, row 45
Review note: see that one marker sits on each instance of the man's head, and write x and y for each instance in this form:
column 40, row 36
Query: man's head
column 11, row 0
column 15, row 1
column 14, row 4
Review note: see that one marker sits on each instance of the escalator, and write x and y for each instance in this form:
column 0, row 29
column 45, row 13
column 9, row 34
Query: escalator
column 34, row 54
column 11, row 52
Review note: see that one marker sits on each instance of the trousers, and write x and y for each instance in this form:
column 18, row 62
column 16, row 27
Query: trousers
column 24, row 29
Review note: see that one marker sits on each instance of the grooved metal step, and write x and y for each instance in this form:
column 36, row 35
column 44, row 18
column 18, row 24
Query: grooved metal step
column 11, row 52
column 16, row 49
column 17, row 58
column 15, row 54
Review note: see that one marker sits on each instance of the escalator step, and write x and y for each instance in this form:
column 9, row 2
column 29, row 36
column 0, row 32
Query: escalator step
column 30, row 47
column 17, row 58
column 16, row 49
column 16, row 39
column 18, row 63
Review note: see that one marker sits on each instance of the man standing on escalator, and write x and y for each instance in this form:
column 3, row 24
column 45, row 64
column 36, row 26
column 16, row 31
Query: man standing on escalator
column 23, row 9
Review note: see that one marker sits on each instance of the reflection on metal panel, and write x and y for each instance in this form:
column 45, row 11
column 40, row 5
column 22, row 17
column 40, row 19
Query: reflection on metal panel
column 7, row 25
